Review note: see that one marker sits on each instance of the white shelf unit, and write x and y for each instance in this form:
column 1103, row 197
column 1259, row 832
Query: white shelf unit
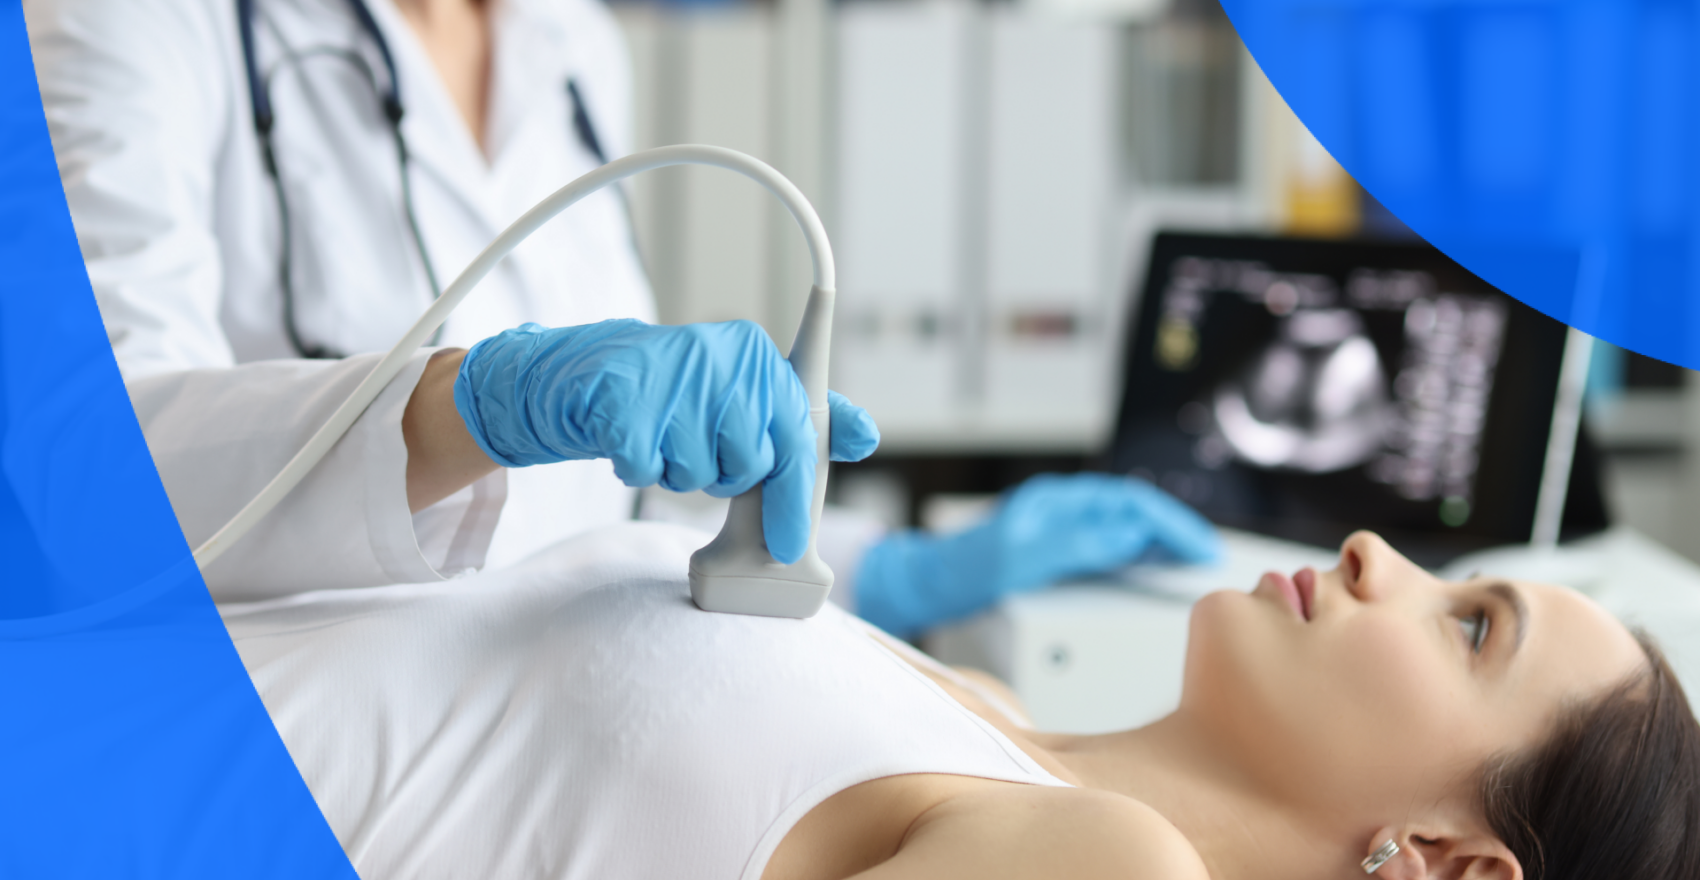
column 972, row 163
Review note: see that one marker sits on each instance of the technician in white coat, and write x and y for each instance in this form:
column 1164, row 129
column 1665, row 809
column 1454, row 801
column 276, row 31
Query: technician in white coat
column 268, row 192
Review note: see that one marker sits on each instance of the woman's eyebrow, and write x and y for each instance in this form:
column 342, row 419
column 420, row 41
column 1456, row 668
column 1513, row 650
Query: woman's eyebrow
column 1520, row 609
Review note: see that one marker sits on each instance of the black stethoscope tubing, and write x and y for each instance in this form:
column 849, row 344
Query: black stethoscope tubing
column 259, row 94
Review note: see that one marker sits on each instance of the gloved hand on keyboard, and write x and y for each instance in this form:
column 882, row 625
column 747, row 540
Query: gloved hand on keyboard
column 698, row 406
column 1048, row 528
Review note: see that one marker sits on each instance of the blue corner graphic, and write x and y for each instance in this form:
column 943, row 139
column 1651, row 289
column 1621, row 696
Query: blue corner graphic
column 132, row 743
column 1547, row 145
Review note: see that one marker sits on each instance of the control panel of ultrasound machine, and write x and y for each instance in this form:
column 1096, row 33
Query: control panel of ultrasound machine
column 734, row 573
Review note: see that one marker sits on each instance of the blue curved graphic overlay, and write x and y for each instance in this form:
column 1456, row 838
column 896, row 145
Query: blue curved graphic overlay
column 132, row 743
column 1547, row 145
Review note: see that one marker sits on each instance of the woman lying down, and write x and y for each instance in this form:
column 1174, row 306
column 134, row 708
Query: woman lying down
column 580, row 718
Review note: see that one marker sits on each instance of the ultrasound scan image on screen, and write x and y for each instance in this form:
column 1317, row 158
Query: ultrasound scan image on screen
column 1305, row 388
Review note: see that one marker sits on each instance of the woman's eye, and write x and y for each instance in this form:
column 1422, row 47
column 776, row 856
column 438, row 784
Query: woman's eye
column 1476, row 629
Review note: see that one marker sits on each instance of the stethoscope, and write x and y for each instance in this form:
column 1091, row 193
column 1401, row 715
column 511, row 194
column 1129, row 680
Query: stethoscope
column 389, row 98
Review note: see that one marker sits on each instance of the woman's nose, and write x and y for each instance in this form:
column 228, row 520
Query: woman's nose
column 1369, row 567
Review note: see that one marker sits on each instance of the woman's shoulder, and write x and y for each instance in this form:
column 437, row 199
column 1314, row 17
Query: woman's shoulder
column 1018, row 833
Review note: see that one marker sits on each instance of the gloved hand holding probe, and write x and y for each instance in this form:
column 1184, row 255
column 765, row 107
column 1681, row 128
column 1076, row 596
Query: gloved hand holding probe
column 699, row 406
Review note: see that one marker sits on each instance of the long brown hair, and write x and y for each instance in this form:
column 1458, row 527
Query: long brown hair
column 1614, row 791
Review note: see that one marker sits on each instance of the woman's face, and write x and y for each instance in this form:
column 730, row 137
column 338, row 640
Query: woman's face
column 1364, row 687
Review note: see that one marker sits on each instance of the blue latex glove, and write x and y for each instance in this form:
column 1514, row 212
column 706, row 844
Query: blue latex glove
column 1049, row 528
column 699, row 406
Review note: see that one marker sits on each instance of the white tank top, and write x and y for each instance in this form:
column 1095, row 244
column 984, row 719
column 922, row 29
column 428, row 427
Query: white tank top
column 578, row 717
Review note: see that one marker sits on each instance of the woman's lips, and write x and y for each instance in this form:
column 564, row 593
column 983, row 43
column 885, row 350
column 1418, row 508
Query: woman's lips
column 1305, row 582
column 1297, row 590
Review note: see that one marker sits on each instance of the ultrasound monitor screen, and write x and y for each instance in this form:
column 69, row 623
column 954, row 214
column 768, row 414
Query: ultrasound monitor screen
column 1307, row 388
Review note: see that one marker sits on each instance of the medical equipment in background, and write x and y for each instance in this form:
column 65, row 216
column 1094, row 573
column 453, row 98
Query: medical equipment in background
column 389, row 100
column 1306, row 388
column 734, row 573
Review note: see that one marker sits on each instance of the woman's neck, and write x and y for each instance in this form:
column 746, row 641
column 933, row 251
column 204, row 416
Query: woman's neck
column 1240, row 832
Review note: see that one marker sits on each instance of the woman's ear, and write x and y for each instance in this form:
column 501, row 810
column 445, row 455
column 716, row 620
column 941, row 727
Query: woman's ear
column 1445, row 854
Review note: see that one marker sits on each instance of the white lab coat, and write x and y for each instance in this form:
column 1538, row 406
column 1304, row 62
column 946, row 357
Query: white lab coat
column 148, row 109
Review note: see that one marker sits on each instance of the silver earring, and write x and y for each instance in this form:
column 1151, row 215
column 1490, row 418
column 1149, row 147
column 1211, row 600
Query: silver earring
column 1381, row 856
